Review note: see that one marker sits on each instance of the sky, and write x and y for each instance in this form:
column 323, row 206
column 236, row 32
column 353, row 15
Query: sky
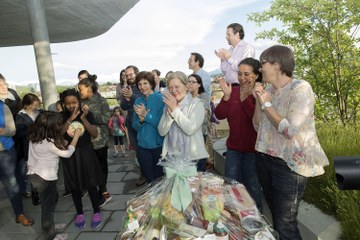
column 157, row 34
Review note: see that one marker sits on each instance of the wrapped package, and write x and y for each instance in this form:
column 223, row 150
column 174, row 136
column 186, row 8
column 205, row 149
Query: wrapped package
column 189, row 205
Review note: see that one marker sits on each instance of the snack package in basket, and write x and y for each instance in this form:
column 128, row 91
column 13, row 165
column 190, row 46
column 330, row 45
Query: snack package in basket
column 189, row 205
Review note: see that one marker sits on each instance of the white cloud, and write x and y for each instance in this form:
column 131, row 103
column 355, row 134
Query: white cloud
column 154, row 34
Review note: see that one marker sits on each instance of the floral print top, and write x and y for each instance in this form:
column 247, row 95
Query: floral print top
column 295, row 141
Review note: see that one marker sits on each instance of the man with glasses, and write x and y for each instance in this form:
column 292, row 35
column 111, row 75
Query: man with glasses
column 129, row 95
column 239, row 50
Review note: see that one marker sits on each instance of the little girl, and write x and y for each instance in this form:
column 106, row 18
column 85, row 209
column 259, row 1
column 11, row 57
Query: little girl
column 25, row 117
column 45, row 147
column 116, row 125
column 82, row 170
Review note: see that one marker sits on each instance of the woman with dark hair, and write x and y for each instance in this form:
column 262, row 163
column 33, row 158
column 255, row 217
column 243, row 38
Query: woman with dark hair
column 121, row 85
column 196, row 89
column 237, row 106
column 287, row 145
column 98, row 105
column 195, row 85
column 148, row 109
column 119, row 90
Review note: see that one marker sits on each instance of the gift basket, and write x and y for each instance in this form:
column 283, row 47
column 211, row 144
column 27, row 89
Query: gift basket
column 189, row 205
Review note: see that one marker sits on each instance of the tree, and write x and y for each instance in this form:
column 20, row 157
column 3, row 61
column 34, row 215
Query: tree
column 325, row 37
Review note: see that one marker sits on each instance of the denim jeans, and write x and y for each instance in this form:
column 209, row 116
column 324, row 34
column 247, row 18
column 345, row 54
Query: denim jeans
column 48, row 197
column 20, row 174
column 132, row 135
column 241, row 166
column 283, row 190
column 7, row 177
column 201, row 165
column 148, row 159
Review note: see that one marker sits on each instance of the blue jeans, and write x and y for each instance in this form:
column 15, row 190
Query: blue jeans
column 48, row 197
column 7, row 177
column 132, row 135
column 20, row 174
column 241, row 166
column 283, row 190
column 201, row 165
column 148, row 159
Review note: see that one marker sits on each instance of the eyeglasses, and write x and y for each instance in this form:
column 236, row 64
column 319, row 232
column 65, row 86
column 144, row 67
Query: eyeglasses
column 129, row 75
column 192, row 82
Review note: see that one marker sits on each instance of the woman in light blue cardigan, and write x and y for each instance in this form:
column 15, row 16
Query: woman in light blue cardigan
column 147, row 113
column 181, row 123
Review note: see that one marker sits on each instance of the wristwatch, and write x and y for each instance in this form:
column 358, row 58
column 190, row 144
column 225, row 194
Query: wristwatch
column 266, row 105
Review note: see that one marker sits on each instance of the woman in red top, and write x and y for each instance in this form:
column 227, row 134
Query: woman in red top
column 237, row 106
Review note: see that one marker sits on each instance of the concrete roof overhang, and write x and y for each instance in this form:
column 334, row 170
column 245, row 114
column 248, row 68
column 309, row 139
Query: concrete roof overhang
column 67, row 20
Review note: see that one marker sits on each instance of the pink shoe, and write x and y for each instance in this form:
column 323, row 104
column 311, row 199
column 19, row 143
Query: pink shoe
column 80, row 221
column 96, row 220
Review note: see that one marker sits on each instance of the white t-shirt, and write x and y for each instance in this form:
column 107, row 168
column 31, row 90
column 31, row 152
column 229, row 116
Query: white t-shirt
column 44, row 159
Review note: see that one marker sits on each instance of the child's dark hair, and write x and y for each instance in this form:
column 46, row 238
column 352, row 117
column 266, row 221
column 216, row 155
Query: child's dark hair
column 29, row 99
column 68, row 92
column 91, row 76
column 119, row 109
column 47, row 126
column 87, row 82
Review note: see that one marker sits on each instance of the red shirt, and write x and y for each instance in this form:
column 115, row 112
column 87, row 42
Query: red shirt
column 242, row 135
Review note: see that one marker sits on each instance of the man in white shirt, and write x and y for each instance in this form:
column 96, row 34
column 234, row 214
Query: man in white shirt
column 196, row 63
column 239, row 49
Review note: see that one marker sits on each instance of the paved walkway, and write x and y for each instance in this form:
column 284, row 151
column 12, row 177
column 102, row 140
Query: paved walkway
column 123, row 173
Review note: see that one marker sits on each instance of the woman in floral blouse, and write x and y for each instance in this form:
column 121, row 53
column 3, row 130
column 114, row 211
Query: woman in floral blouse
column 289, row 150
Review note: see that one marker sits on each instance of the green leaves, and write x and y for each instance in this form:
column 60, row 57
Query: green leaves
column 325, row 37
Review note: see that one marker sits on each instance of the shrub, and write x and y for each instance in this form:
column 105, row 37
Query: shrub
column 323, row 192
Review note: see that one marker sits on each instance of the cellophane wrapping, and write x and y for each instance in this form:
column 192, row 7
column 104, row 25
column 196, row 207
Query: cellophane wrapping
column 218, row 208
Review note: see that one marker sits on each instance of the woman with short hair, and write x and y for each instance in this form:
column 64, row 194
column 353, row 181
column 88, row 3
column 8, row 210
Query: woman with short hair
column 181, row 122
column 288, row 148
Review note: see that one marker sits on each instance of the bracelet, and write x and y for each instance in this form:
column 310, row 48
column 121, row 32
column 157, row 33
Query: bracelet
column 68, row 122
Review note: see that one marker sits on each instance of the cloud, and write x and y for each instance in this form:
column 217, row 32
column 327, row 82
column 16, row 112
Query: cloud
column 151, row 35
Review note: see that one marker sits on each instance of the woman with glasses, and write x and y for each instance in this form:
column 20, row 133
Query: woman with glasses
column 181, row 122
column 237, row 106
column 287, row 144
column 196, row 89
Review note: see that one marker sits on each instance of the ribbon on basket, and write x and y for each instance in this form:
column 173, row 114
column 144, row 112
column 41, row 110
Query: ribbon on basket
column 181, row 195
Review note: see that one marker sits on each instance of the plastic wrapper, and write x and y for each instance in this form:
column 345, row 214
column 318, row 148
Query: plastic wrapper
column 189, row 205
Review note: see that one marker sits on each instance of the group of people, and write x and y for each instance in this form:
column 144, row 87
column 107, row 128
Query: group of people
column 272, row 145
column 33, row 141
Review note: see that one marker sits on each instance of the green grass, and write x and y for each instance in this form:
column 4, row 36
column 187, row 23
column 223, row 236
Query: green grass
column 323, row 192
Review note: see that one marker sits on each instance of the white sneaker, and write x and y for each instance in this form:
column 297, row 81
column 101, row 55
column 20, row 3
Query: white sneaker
column 60, row 226
column 61, row 236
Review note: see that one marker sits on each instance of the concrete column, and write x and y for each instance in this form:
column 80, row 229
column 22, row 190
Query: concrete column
column 40, row 35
